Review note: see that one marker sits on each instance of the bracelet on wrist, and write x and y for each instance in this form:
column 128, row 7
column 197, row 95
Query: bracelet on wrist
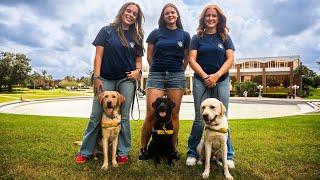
column 96, row 77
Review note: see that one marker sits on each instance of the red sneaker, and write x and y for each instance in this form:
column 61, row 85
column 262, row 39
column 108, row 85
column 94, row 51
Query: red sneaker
column 80, row 159
column 122, row 160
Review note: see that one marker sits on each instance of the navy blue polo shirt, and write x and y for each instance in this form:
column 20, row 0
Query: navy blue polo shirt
column 169, row 46
column 211, row 53
column 117, row 59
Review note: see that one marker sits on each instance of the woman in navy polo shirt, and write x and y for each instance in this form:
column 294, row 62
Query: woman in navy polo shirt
column 117, row 65
column 211, row 56
column 167, row 55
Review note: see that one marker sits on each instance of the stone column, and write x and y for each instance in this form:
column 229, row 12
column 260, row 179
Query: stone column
column 238, row 76
column 291, row 77
column 264, row 76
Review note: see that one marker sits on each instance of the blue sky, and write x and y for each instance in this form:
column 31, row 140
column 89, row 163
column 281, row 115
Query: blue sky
column 57, row 35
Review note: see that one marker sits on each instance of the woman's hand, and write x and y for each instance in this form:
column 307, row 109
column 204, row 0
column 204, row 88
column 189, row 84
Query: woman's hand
column 211, row 80
column 97, row 86
column 134, row 75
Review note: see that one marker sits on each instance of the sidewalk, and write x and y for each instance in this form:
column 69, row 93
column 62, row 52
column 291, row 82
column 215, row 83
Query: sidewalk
column 239, row 107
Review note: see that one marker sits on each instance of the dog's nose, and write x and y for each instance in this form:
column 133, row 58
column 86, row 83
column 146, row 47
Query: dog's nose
column 109, row 104
column 162, row 107
column 205, row 117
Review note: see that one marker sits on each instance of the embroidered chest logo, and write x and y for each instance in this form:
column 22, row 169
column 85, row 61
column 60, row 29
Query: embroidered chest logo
column 220, row 46
column 132, row 44
column 180, row 43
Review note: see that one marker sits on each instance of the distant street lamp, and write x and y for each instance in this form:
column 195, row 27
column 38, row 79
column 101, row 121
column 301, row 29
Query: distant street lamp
column 260, row 90
column 295, row 87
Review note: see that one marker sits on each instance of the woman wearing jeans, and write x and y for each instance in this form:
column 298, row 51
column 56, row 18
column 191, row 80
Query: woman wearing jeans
column 211, row 56
column 117, row 65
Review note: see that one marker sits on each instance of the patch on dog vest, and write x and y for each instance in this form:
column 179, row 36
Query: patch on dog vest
column 221, row 130
column 162, row 132
column 110, row 124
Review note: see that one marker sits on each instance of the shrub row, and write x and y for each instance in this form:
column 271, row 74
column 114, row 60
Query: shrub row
column 275, row 95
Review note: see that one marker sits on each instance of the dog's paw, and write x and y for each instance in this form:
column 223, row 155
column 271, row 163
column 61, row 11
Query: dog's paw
column 229, row 177
column 77, row 143
column 170, row 162
column 205, row 174
column 231, row 164
column 115, row 165
column 104, row 167
column 199, row 162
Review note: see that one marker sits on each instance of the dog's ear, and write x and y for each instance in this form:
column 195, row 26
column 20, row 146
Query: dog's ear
column 121, row 98
column 154, row 104
column 223, row 109
column 100, row 97
column 172, row 104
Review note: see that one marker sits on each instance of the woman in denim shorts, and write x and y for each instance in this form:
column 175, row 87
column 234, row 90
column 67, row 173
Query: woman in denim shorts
column 167, row 55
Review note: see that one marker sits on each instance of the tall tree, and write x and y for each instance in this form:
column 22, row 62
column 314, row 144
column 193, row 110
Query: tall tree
column 14, row 69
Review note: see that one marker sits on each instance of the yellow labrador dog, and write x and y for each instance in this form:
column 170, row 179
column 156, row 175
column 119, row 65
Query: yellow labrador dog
column 110, row 122
column 214, row 140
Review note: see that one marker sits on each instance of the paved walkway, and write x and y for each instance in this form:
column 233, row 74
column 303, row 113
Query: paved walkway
column 240, row 108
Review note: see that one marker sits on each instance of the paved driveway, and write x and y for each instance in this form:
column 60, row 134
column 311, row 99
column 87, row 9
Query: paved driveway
column 240, row 108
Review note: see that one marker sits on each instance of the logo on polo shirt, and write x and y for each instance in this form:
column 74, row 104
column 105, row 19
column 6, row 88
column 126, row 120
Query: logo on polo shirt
column 180, row 43
column 132, row 44
column 220, row 45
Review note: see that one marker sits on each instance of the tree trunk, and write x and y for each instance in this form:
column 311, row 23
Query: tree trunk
column 10, row 88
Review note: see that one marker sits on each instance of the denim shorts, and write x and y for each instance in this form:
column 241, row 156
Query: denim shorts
column 166, row 80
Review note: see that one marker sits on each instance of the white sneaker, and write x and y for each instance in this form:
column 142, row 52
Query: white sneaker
column 191, row 161
column 231, row 164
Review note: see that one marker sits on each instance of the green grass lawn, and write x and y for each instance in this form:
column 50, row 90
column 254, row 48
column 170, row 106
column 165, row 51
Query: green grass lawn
column 39, row 147
column 38, row 94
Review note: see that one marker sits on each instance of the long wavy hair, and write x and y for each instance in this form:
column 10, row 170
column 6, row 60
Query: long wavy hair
column 222, row 28
column 135, row 29
column 162, row 22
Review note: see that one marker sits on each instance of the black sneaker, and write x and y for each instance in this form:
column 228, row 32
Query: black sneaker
column 176, row 155
column 143, row 154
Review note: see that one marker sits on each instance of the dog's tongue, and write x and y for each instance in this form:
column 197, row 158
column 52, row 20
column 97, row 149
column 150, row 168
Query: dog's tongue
column 110, row 110
column 162, row 114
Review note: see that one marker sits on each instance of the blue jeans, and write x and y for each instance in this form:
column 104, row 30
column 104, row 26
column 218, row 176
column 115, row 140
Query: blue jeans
column 222, row 92
column 125, row 87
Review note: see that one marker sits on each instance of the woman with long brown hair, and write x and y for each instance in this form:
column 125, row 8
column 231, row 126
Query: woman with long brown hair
column 167, row 55
column 211, row 57
column 117, row 66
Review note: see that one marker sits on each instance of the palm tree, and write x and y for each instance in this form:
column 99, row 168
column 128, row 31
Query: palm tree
column 301, row 69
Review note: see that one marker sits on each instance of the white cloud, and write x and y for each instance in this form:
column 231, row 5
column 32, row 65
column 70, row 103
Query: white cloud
column 58, row 36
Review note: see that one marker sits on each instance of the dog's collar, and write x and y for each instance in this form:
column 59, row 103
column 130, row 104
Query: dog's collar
column 162, row 132
column 108, row 125
column 221, row 130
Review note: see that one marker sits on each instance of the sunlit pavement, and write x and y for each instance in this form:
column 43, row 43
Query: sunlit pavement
column 240, row 108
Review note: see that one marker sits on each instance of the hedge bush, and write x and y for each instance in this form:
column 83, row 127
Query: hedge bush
column 275, row 95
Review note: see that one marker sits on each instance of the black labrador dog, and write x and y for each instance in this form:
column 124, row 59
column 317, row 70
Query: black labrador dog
column 162, row 132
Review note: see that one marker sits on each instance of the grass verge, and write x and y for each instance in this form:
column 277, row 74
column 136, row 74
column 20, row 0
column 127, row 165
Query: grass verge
column 39, row 147
column 28, row 94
